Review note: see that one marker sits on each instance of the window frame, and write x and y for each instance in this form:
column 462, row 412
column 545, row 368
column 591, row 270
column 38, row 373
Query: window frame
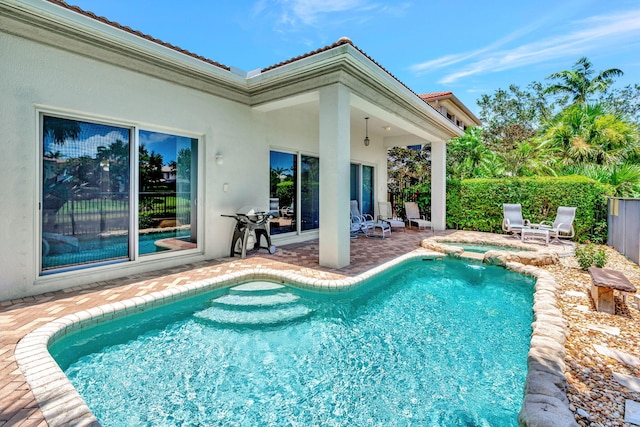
column 134, row 258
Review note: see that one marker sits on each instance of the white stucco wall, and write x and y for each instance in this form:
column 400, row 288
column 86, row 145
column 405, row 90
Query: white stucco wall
column 39, row 76
column 43, row 78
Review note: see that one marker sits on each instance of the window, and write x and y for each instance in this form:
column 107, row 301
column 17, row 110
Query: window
column 283, row 191
column 309, row 193
column 167, row 171
column 87, row 214
column 362, row 188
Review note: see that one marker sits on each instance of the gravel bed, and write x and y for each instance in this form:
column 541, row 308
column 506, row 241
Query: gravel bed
column 596, row 397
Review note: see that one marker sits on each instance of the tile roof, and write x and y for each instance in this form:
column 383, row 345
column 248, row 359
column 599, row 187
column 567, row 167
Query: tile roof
column 136, row 33
column 427, row 96
column 341, row 41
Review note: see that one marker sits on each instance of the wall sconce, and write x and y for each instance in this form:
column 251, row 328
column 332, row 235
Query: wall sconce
column 366, row 132
column 219, row 159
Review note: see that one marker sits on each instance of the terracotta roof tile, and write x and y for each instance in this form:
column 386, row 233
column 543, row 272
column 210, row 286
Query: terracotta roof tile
column 136, row 33
column 340, row 42
column 432, row 95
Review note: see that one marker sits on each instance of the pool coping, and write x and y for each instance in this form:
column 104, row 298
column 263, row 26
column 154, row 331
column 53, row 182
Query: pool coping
column 545, row 401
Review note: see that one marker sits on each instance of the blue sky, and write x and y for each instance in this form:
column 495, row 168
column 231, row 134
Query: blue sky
column 468, row 47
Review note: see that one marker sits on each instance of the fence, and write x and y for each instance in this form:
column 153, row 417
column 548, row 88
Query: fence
column 108, row 212
column 623, row 221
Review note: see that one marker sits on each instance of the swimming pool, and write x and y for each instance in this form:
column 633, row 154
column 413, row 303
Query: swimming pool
column 110, row 247
column 428, row 343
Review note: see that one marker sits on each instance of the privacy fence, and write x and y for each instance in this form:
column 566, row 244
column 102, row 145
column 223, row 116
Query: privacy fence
column 623, row 222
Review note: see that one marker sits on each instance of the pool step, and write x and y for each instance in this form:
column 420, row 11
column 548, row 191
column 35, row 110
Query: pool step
column 256, row 300
column 255, row 288
column 272, row 316
column 253, row 304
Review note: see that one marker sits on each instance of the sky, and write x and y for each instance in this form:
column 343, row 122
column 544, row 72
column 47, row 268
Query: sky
column 468, row 47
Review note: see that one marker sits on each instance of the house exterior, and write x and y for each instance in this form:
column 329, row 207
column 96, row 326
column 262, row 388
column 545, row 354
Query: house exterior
column 93, row 111
column 452, row 108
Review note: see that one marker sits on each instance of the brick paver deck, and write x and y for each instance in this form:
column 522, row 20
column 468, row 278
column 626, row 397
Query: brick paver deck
column 19, row 317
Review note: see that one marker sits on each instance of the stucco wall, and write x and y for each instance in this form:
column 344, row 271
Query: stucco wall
column 39, row 77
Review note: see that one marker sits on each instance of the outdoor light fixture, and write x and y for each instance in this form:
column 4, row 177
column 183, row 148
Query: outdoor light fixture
column 219, row 159
column 366, row 132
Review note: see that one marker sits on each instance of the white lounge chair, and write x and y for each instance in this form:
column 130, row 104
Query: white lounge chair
column 413, row 216
column 367, row 224
column 385, row 213
column 512, row 221
column 562, row 226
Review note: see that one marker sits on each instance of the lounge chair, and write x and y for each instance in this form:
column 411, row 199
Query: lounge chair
column 367, row 224
column 413, row 216
column 513, row 221
column 562, row 226
column 386, row 214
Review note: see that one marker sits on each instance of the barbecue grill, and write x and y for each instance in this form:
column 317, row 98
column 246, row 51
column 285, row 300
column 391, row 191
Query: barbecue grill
column 250, row 223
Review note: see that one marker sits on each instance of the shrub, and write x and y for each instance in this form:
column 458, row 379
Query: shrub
column 476, row 204
column 600, row 258
column 588, row 255
column 585, row 255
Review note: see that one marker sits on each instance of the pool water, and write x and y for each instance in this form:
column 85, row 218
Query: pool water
column 434, row 343
column 109, row 248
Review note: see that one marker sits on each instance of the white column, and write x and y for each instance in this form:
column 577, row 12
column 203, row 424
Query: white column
column 438, row 185
column 335, row 153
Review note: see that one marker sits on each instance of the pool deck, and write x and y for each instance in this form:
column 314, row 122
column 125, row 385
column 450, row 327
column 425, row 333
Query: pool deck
column 18, row 406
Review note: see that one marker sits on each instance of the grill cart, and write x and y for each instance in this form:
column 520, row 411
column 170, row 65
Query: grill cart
column 251, row 225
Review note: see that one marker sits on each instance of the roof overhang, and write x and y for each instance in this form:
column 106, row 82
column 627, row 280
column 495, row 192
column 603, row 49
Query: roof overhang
column 373, row 88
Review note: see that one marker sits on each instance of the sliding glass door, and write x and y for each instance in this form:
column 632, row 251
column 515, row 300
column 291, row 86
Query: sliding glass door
column 87, row 212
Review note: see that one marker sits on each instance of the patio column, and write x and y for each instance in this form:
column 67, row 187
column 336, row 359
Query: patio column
column 439, row 185
column 335, row 153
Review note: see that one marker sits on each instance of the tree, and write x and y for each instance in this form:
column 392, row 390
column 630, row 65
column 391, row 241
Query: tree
column 586, row 134
column 624, row 102
column 61, row 129
column 577, row 82
column 467, row 155
column 150, row 168
column 513, row 115
column 625, row 178
column 407, row 167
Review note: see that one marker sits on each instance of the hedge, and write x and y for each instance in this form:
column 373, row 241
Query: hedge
column 476, row 204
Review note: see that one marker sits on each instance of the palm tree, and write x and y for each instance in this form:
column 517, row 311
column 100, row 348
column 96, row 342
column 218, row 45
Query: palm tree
column 467, row 155
column 625, row 178
column 577, row 82
column 588, row 134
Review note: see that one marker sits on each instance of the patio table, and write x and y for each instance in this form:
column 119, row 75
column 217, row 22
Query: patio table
column 532, row 232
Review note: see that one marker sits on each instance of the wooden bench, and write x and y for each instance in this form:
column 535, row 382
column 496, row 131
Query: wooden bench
column 605, row 281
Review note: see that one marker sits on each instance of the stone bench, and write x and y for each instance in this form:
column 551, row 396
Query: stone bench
column 605, row 281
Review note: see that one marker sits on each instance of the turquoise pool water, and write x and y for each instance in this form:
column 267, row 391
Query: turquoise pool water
column 429, row 343
column 109, row 248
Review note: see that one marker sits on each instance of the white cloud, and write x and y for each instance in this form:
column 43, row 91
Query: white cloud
column 291, row 15
column 584, row 37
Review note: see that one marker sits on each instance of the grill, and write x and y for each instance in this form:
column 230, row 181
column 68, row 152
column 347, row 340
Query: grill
column 251, row 224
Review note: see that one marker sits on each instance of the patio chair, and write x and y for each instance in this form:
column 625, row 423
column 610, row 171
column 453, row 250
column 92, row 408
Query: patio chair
column 512, row 221
column 562, row 226
column 385, row 213
column 367, row 224
column 413, row 216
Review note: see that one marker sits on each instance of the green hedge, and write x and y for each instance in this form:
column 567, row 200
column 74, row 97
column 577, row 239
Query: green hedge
column 476, row 204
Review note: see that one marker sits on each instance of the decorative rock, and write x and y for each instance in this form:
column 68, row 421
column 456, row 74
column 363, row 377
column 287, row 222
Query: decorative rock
column 632, row 383
column 620, row 356
column 544, row 411
column 611, row 330
column 632, row 412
